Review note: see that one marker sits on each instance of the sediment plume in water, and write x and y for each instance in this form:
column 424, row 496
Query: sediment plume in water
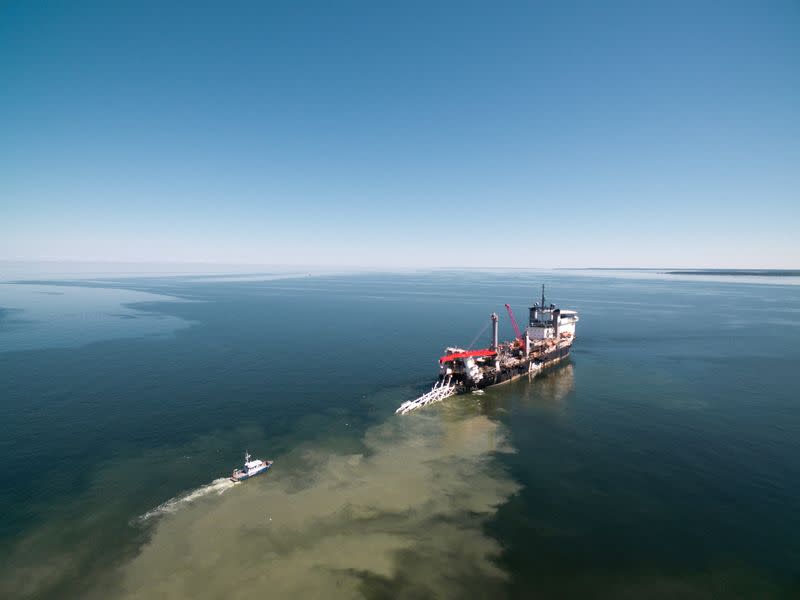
column 405, row 518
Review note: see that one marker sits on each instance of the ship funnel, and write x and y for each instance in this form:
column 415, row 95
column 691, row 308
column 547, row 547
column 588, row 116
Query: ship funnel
column 495, row 334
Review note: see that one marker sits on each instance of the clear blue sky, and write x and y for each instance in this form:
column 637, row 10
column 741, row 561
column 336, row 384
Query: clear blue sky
column 529, row 134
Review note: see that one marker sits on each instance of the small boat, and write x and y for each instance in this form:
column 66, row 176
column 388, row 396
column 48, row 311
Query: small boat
column 250, row 469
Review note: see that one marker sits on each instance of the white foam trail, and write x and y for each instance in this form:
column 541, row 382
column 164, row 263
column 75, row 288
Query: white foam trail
column 218, row 486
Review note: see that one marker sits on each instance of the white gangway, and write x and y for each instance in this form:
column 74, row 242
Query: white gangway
column 442, row 389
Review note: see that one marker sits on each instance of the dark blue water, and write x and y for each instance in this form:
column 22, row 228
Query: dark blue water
column 662, row 461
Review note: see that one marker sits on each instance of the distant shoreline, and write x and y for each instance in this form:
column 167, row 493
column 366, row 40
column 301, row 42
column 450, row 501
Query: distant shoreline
column 662, row 271
column 740, row 272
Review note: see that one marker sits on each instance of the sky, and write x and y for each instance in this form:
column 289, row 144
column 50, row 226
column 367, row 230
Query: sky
column 402, row 134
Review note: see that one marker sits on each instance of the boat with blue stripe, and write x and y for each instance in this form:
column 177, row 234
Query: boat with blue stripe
column 251, row 468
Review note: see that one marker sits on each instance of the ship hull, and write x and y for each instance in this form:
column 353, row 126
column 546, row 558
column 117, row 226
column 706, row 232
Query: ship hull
column 525, row 367
column 244, row 476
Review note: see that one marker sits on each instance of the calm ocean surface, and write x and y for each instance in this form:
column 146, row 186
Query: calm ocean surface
column 662, row 461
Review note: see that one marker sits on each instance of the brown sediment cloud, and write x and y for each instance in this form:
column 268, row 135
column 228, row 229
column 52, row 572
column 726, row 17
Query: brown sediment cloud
column 405, row 518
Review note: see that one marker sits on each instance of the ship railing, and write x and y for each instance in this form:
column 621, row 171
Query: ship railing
column 442, row 389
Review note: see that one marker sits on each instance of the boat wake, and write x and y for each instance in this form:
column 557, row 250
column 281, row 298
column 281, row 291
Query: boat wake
column 218, row 486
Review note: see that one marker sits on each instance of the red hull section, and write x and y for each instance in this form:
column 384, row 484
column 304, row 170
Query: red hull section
column 467, row 354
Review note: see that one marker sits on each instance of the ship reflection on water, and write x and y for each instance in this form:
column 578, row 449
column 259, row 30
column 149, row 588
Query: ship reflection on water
column 547, row 391
column 551, row 387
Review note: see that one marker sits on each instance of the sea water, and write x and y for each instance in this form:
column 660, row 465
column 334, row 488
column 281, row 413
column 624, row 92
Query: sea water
column 662, row 460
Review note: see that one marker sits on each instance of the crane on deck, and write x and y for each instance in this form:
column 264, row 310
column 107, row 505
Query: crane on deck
column 517, row 332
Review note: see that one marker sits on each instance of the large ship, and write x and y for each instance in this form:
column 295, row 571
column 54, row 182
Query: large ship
column 546, row 340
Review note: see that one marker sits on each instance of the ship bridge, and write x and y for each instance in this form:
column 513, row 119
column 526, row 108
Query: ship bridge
column 548, row 322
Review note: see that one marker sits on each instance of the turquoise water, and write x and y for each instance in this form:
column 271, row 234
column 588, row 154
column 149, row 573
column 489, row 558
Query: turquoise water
column 662, row 461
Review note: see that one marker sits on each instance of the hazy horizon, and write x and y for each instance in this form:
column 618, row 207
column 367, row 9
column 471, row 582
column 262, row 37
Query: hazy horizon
column 94, row 273
column 243, row 267
column 371, row 267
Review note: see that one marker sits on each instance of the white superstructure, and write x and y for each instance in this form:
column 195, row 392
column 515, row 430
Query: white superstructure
column 549, row 322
